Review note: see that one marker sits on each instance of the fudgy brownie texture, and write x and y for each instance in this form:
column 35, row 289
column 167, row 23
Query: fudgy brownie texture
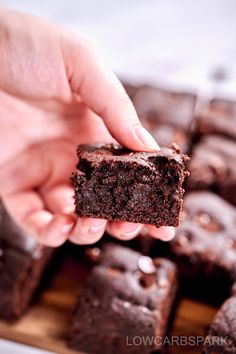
column 217, row 116
column 221, row 337
column 167, row 115
column 117, row 184
column 126, row 296
column 22, row 262
column 205, row 244
column 213, row 166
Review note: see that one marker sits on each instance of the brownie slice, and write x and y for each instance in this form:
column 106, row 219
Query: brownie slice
column 126, row 296
column 213, row 166
column 22, row 262
column 205, row 246
column 221, row 337
column 217, row 116
column 114, row 183
column 166, row 115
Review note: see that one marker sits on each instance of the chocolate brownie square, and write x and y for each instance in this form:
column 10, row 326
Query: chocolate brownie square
column 217, row 116
column 114, row 183
column 126, row 296
column 22, row 262
column 205, row 245
column 213, row 166
column 166, row 115
column 221, row 337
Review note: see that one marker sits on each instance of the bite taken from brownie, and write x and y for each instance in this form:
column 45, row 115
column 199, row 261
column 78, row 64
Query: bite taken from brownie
column 127, row 295
column 114, row 183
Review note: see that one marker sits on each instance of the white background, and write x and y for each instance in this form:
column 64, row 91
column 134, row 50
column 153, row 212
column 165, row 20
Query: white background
column 177, row 43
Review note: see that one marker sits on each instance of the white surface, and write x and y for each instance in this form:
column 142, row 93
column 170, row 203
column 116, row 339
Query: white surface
column 173, row 42
column 7, row 347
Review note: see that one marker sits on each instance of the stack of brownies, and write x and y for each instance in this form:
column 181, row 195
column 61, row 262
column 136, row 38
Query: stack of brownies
column 131, row 290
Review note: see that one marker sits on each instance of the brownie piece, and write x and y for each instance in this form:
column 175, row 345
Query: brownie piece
column 205, row 245
column 166, row 134
column 22, row 262
column 213, row 166
column 217, row 116
column 114, row 183
column 126, row 295
column 221, row 337
column 166, row 115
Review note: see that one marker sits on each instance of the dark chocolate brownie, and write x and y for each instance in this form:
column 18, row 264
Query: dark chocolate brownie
column 126, row 296
column 166, row 134
column 213, row 166
column 221, row 337
column 117, row 184
column 205, row 245
column 166, row 115
column 22, row 262
column 168, row 107
column 217, row 116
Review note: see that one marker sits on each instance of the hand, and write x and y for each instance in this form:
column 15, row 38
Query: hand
column 56, row 94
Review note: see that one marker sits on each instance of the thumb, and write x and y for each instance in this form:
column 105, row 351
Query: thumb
column 103, row 93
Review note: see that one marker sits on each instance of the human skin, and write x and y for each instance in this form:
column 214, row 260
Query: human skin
column 55, row 93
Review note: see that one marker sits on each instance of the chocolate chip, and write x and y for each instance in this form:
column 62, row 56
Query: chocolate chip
column 114, row 272
column 146, row 265
column 93, row 253
column 147, row 280
column 184, row 238
column 207, row 222
column 126, row 304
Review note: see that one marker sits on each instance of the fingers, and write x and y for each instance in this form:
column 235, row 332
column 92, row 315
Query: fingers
column 56, row 232
column 164, row 233
column 123, row 230
column 50, row 230
column 102, row 92
column 59, row 199
column 26, row 171
column 87, row 231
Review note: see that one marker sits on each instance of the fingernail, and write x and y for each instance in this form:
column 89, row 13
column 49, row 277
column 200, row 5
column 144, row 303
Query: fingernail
column 67, row 228
column 145, row 137
column 130, row 230
column 168, row 232
column 96, row 226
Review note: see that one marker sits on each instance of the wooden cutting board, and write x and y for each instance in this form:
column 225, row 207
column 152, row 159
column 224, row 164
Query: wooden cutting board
column 45, row 325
